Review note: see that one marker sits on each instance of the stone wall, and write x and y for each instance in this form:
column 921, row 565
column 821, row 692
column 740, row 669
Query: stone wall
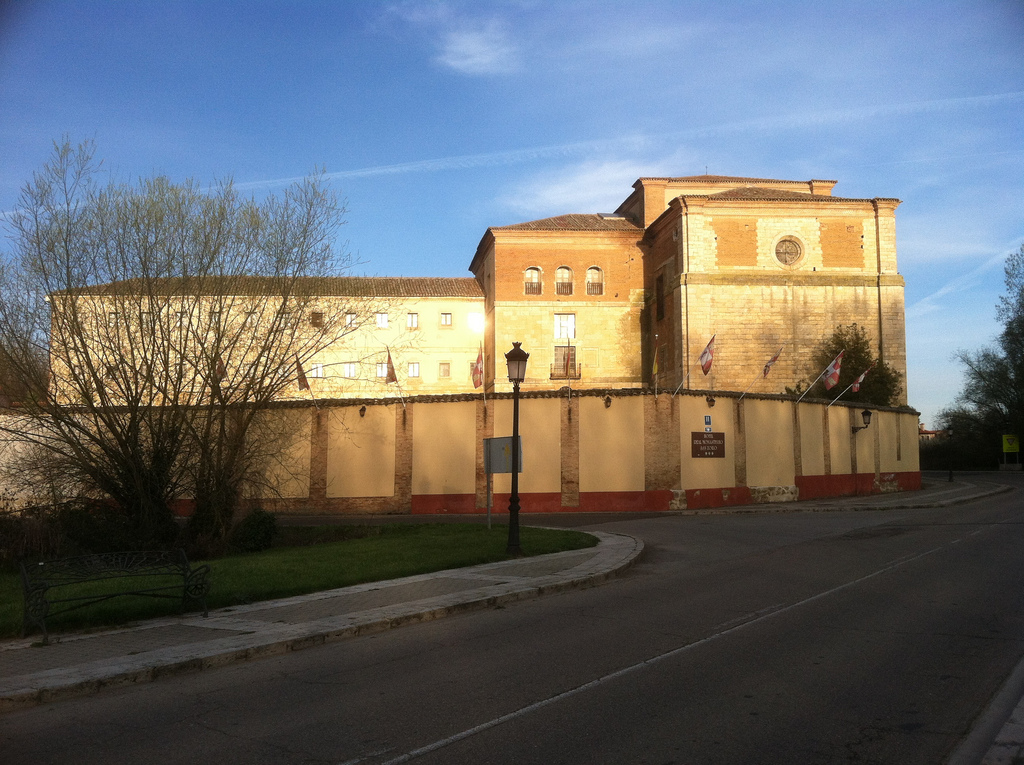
column 612, row 450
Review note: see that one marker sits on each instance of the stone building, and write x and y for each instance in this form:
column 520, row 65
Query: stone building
column 762, row 265
column 758, row 264
column 597, row 298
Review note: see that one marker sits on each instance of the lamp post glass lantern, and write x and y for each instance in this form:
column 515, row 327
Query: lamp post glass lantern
column 866, row 417
column 516, row 359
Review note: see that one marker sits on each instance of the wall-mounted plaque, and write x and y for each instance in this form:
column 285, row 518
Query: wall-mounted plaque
column 707, row 444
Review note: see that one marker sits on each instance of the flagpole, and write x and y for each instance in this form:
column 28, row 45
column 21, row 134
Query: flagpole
column 300, row 379
column 690, row 368
column 840, row 394
column 855, row 382
column 823, row 371
column 392, row 376
column 764, row 372
column 655, row 375
column 744, row 393
column 568, row 375
column 684, row 379
column 809, row 388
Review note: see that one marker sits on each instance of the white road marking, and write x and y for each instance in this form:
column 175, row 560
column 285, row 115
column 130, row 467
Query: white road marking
column 754, row 618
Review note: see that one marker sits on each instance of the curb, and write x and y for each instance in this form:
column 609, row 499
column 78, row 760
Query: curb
column 796, row 507
column 90, row 678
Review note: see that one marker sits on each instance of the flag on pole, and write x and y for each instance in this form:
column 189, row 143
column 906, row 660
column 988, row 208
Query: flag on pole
column 478, row 368
column 391, row 377
column 831, row 373
column 654, row 366
column 856, row 383
column 220, row 371
column 772, row 360
column 300, row 375
column 707, row 356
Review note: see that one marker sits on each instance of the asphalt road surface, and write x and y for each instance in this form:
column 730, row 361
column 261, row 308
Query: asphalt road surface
column 854, row 637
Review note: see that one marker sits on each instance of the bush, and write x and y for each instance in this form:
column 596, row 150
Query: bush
column 256, row 532
column 32, row 533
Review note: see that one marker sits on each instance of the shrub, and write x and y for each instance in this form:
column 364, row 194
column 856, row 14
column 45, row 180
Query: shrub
column 28, row 533
column 255, row 532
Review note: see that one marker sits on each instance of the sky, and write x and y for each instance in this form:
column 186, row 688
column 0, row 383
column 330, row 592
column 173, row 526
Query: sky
column 436, row 120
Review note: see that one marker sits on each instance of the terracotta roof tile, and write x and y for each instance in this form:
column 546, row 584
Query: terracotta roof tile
column 776, row 195
column 574, row 222
column 723, row 179
column 353, row 286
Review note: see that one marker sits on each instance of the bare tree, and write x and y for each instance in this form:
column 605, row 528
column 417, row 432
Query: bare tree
column 149, row 326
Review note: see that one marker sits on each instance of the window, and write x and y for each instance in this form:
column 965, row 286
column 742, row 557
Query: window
column 350, row 320
column 215, row 319
column 565, row 325
column 112, row 320
column 414, row 369
column 316, row 318
column 350, row 369
column 565, row 367
column 787, row 251
column 531, row 282
column 382, row 369
column 595, row 281
column 563, row 281
column 446, row 319
column 444, row 369
column 382, row 321
column 412, row 321
column 315, row 370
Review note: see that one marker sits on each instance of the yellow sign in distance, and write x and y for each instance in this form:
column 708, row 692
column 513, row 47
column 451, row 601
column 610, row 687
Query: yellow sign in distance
column 1011, row 444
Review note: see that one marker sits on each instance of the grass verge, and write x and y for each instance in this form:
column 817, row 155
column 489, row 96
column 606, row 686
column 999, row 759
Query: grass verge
column 312, row 559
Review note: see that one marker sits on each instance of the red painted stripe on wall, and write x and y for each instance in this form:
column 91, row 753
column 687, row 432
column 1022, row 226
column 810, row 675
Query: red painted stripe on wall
column 697, row 499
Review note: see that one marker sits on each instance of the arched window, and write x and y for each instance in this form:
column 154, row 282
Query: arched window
column 531, row 282
column 595, row 281
column 563, row 281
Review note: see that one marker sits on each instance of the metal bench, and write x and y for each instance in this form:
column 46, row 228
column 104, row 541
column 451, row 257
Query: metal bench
column 49, row 586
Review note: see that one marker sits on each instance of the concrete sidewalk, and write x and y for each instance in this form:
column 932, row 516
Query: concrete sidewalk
column 82, row 663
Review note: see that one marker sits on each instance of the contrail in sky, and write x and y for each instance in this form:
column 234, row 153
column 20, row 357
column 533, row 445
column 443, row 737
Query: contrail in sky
column 961, row 283
column 790, row 122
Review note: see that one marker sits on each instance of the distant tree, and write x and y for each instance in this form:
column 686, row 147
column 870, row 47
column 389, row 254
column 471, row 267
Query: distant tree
column 881, row 386
column 992, row 400
column 148, row 327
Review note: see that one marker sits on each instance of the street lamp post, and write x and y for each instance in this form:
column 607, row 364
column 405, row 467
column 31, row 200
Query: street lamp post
column 516, row 359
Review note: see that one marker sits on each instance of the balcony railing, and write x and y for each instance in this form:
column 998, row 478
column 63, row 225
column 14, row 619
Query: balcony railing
column 595, row 288
column 563, row 288
column 531, row 288
column 563, row 372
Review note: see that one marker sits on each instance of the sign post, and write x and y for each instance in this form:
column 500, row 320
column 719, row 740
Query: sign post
column 1011, row 445
column 498, row 459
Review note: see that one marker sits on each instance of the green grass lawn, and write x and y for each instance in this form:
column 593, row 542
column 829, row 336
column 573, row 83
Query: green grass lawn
column 311, row 559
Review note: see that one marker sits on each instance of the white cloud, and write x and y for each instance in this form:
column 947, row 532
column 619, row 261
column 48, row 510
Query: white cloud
column 484, row 49
column 589, row 187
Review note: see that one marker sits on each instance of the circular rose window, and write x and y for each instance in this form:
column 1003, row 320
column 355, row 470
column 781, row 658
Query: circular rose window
column 787, row 252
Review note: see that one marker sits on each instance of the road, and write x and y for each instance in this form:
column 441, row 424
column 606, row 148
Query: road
column 860, row 637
